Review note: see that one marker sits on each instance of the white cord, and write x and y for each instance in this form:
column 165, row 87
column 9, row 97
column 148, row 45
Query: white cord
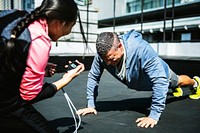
column 71, row 106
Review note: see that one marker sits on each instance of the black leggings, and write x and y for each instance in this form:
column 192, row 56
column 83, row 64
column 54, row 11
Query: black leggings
column 28, row 115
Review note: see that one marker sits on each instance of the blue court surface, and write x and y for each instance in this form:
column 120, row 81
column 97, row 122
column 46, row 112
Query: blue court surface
column 118, row 107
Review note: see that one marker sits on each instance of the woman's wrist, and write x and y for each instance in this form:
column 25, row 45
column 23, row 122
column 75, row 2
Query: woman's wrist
column 62, row 82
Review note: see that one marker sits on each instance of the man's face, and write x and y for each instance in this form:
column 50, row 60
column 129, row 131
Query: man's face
column 113, row 56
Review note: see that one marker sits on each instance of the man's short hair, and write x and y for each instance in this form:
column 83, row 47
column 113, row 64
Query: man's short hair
column 104, row 42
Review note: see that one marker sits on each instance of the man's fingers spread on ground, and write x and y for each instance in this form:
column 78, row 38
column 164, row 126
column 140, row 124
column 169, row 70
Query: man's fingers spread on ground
column 86, row 111
column 152, row 125
column 139, row 119
column 95, row 112
column 143, row 124
column 139, row 124
column 147, row 125
column 79, row 112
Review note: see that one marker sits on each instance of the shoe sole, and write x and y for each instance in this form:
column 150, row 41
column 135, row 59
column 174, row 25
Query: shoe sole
column 178, row 95
column 194, row 98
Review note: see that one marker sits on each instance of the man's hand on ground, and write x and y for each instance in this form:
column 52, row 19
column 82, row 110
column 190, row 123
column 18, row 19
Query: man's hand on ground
column 145, row 122
column 86, row 111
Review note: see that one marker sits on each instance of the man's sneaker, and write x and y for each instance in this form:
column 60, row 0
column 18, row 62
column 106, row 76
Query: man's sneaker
column 177, row 92
column 195, row 93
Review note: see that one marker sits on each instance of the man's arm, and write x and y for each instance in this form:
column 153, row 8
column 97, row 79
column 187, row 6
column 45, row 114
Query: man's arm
column 155, row 70
column 92, row 86
column 154, row 67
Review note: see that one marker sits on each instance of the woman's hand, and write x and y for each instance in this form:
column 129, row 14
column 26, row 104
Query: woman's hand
column 50, row 69
column 76, row 71
column 69, row 75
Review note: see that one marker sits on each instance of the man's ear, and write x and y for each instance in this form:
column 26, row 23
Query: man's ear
column 120, row 46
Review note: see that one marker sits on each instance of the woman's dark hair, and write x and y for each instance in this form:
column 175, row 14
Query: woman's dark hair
column 64, row 10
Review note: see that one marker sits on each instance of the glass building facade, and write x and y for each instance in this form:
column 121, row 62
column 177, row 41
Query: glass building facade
column 157, row 20
column 16, row 4
column 135, row 5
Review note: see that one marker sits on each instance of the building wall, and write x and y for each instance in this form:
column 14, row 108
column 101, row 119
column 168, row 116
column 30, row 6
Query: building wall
column 106, row 7
column 122, row 6
column 179, row 25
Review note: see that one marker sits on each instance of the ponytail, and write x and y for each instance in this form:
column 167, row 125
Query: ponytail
column 9, row 50
column 24, row 23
